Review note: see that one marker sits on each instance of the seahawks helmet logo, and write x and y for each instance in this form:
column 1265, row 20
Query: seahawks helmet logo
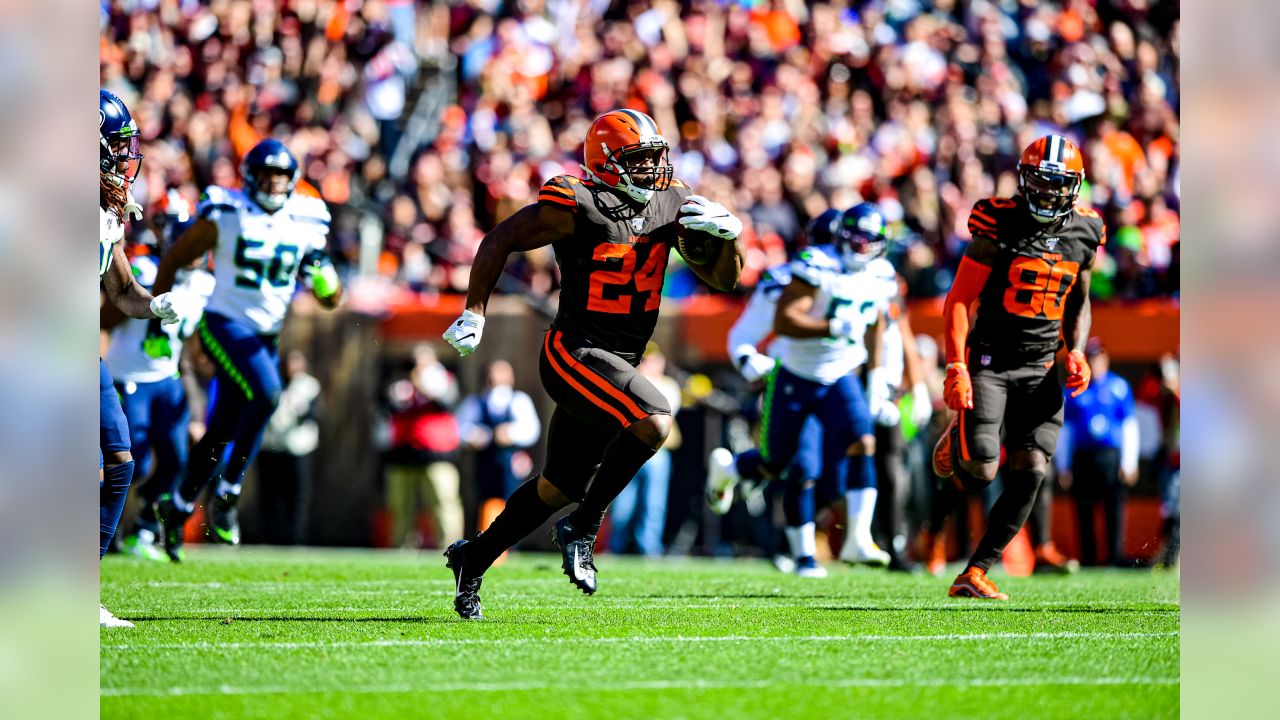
column 102, row 118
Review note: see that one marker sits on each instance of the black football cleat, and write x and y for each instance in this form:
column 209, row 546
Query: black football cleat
column 172, row 521
column 577, row 555
column 466, row 598
column 224, row 519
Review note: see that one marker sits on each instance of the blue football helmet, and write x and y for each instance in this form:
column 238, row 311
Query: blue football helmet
column 861, row 235
column 118, row 158
column 818, row 231
column 269, row 155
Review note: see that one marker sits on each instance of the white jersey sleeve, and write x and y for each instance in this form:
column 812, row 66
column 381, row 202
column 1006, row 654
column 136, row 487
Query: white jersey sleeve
column 755, row 324
column 258, row 254
column 144, row 351
column 838, row 294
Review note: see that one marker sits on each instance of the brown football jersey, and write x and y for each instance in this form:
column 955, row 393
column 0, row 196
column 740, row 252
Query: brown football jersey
column 613, row 265
column 1036, row 265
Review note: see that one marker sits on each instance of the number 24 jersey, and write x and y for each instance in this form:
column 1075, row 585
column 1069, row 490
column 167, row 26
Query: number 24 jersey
column 1036, row 266
column 258, row 253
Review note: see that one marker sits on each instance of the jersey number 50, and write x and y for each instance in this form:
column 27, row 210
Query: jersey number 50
column 277, row 271
column 1037, row 288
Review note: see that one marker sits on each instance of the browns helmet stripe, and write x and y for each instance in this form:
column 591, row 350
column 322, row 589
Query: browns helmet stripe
column 644, row 124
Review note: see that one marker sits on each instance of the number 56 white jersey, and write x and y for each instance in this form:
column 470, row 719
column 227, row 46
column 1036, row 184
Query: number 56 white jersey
column 855, row 296
column 258, row 254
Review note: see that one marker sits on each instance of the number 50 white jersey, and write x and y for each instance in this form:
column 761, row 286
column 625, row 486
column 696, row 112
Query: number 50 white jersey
column 258, row 253
column 858, row 297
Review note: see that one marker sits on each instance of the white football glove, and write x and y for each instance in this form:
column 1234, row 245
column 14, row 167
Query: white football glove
column 921, row 405
column 699, row 213
column 754, row 366
column 465, row 332
column 880, row 399
column 167, row 307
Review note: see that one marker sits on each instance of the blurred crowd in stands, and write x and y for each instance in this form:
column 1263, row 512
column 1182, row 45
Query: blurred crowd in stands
column 425, row 123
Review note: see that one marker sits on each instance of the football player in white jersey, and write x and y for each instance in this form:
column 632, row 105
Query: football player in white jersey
column 832, row 313
column 747, row 335
column 144, row 359
column 263, row 237
column 118, row 164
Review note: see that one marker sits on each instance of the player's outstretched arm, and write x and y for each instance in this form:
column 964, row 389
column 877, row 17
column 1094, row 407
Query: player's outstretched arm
column 532, row 227
column 123, row 290
column 793, row 319
column 196, row 241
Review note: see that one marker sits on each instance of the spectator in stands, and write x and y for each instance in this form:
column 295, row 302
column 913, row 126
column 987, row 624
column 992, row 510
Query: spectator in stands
column 1097, row 455
column 498, row 426
column 284, row 463
column 639, row 514
column 420, row 467
column 791, row 106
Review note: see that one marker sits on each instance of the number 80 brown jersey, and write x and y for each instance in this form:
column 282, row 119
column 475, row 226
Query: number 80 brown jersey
column 1036, row 266
column 613, row 265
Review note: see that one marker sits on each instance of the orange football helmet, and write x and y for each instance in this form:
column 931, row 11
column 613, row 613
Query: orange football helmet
column 1050, row 173
column 625, row 151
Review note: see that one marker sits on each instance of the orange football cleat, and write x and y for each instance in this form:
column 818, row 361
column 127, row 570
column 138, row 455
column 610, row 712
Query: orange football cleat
column 942, row 451
column 1049, row 560
column 933, row 551
column 974, row 583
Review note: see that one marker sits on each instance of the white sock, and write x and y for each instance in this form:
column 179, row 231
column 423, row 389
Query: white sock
column 861, row 507
column 803, row 540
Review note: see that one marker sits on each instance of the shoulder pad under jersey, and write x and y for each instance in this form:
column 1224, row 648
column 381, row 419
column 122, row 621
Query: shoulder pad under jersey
column 1095, row 221
column 812, row 263
column 216, row 200
column 988, row 216
column 560, row 190
column 307, row 209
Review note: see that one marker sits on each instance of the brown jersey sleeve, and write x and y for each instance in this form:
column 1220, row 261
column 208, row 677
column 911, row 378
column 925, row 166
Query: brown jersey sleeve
column 559, row 191
column 984, row 219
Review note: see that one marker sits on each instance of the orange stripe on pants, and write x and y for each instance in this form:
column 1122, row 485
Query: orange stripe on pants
column 546, row 345
column 598, row 381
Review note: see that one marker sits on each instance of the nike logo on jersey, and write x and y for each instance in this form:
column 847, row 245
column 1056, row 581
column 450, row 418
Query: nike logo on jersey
column 466, row 337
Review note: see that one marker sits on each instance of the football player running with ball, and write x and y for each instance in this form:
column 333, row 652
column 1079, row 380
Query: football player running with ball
column 611, row 231
column 1028, row 267
column 118, row 164
column 263, row 238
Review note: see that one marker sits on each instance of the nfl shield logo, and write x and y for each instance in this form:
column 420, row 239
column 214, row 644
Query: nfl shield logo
column 985, row 360
column 637, row 223
column 1051, row 242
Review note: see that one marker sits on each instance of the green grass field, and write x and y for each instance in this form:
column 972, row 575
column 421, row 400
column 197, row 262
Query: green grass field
column 258, row 633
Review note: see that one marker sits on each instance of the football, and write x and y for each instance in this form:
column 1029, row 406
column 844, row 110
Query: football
column 697, row 247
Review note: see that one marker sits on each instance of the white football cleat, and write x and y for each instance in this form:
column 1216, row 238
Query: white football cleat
column 722, row 476
column 106, row 619
column 864, row 553
column 807, row 567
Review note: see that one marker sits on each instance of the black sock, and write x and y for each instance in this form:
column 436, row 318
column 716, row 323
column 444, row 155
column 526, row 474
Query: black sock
column 945, row 501
column 112, row 494
column 1007, row 516
column 1038, row 522
column 525, row 512
column 622, row 460
column 204, row 461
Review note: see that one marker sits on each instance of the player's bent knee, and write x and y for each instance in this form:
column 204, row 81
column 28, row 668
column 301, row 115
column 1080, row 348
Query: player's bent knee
column 652, row 431
column 865, row 445
column 1032, row 460
column 551, row 495
column 979, row 474
column 119, row 457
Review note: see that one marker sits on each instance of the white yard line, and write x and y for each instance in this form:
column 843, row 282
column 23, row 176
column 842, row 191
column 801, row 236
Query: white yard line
column 436, row 642
column 639, row 685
